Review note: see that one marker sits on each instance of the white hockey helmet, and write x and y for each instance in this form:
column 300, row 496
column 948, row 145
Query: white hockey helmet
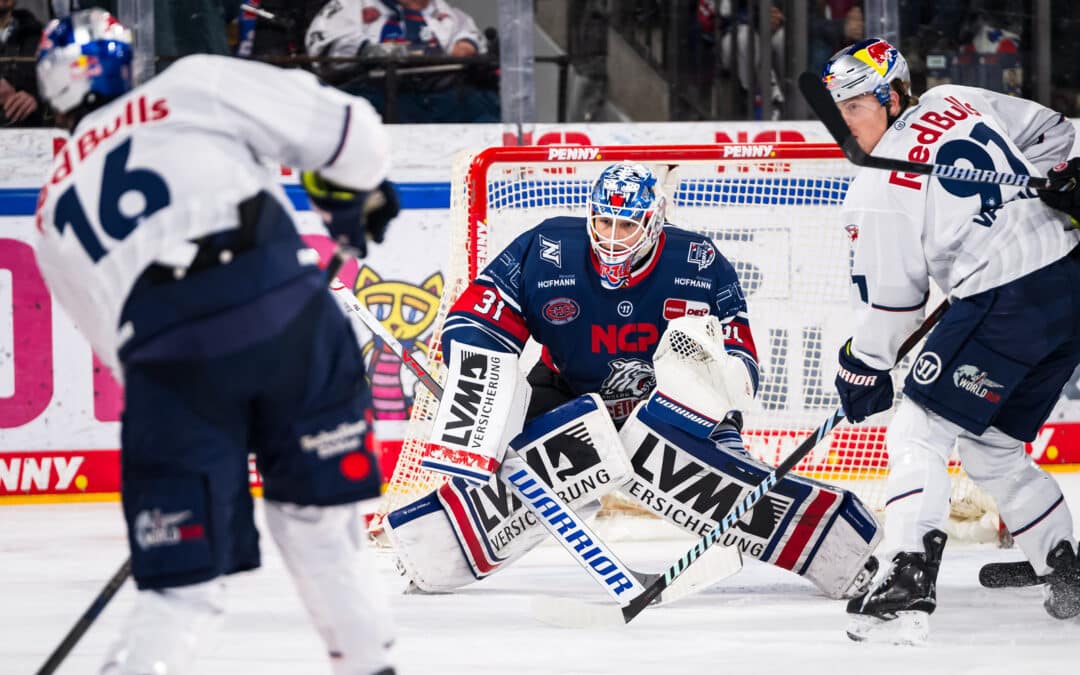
column 625, row 192
column 86, row 53
column 865, row 67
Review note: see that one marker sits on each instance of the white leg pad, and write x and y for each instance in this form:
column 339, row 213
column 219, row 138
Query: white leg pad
column 334, row 572
column 917, row 490
column 165, row 630
column 458, row 534
column 1029, row 500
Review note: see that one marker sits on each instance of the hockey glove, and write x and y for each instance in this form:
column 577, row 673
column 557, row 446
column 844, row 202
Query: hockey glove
column 355, row 215
column 863, row 390
column 1061, row 192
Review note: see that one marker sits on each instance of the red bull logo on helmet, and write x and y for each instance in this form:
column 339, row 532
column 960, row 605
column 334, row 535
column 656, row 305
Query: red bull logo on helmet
column 879, row 55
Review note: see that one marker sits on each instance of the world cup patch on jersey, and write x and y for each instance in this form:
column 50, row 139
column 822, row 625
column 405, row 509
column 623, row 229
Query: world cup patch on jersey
column 560, row 311
column 678, row 307
column 701, row 253
column 927, row 368
column 551, row 251
column 974, row 381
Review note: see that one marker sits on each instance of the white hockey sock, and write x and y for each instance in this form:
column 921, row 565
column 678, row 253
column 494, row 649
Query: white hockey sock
column 1028, row 498
column 917, row 490
column 165, row 629
column 335, row 574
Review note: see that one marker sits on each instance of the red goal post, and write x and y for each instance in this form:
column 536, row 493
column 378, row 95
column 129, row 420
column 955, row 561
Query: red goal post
column 773, row 210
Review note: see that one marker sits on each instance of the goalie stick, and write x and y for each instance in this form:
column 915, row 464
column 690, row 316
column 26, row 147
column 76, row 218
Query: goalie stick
column 569, row 608
column 819, row 99
column 622, row 583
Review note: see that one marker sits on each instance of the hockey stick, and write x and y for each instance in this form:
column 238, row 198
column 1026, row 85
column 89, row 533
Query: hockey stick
column 1009, row 575
column 598, row 614
column 89, row 616
column 619, row 580
column 120, row 576
column 819, row 99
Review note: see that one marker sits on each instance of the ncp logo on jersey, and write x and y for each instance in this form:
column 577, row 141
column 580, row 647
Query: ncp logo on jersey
column 926, row 368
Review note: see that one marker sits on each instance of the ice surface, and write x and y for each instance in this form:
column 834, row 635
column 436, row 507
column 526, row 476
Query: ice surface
column 54, row 559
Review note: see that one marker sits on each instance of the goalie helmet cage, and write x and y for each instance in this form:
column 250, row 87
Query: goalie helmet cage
column 773, row 211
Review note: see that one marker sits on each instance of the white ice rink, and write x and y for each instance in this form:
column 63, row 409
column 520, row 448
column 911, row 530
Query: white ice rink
column 54, row 559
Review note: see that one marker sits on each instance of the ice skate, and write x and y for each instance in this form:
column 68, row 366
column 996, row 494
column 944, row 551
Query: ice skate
column 1062, row 591
column 897, row 609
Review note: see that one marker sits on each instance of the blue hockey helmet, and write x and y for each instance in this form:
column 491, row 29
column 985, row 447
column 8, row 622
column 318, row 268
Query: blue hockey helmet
column 626, row 216
column 86, row 53
column 865, row 67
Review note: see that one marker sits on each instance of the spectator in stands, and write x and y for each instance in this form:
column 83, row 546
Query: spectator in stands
column 20, row 33
column 279, row 32
column 399, row 29
column 181, row 27
column 742, row 58
column 833, row 24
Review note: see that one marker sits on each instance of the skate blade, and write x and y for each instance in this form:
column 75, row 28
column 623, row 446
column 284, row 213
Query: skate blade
column 908, row 628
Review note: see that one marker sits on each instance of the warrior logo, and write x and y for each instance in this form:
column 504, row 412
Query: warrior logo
column 927, row 368
column 551, row 251
column 630, row 381
column 701, row 254
column 975, row 381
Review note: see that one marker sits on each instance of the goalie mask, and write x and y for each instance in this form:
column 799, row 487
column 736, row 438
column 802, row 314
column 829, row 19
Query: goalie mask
column 85, row 55
column 865, row 67
column 626, row 217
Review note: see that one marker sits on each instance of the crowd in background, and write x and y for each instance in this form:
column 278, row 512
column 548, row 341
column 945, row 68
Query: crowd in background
column 428, row 61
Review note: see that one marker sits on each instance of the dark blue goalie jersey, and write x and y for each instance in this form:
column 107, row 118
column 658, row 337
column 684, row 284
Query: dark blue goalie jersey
column 546, row 285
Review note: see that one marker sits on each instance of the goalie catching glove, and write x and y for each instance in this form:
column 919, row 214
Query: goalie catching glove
column 353, row 214
column 698, row 382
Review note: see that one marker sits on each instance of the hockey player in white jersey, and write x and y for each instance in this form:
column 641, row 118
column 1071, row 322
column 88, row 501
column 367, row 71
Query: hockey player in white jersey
column 992, row 369
column 174, row 249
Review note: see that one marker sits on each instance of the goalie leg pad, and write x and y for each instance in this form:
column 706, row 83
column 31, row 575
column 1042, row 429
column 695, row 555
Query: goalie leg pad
column 1027, row 497
column 815, row 530
column 460, row 533
column 482, row 408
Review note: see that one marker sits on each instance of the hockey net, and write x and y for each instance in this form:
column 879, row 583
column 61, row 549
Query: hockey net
column 773, row 211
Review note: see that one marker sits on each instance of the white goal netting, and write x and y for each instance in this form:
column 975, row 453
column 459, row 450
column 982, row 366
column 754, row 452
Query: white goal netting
column 773, row 211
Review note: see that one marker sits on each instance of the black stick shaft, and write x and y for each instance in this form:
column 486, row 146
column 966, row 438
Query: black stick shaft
column 819, row 99
column 89, row 616
column 639, row 603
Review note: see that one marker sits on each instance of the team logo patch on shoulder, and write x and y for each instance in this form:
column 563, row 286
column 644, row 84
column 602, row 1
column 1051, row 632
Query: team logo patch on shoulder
column 852, row 231
column 551, row 251
column 701, row 254
column 560, row 311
